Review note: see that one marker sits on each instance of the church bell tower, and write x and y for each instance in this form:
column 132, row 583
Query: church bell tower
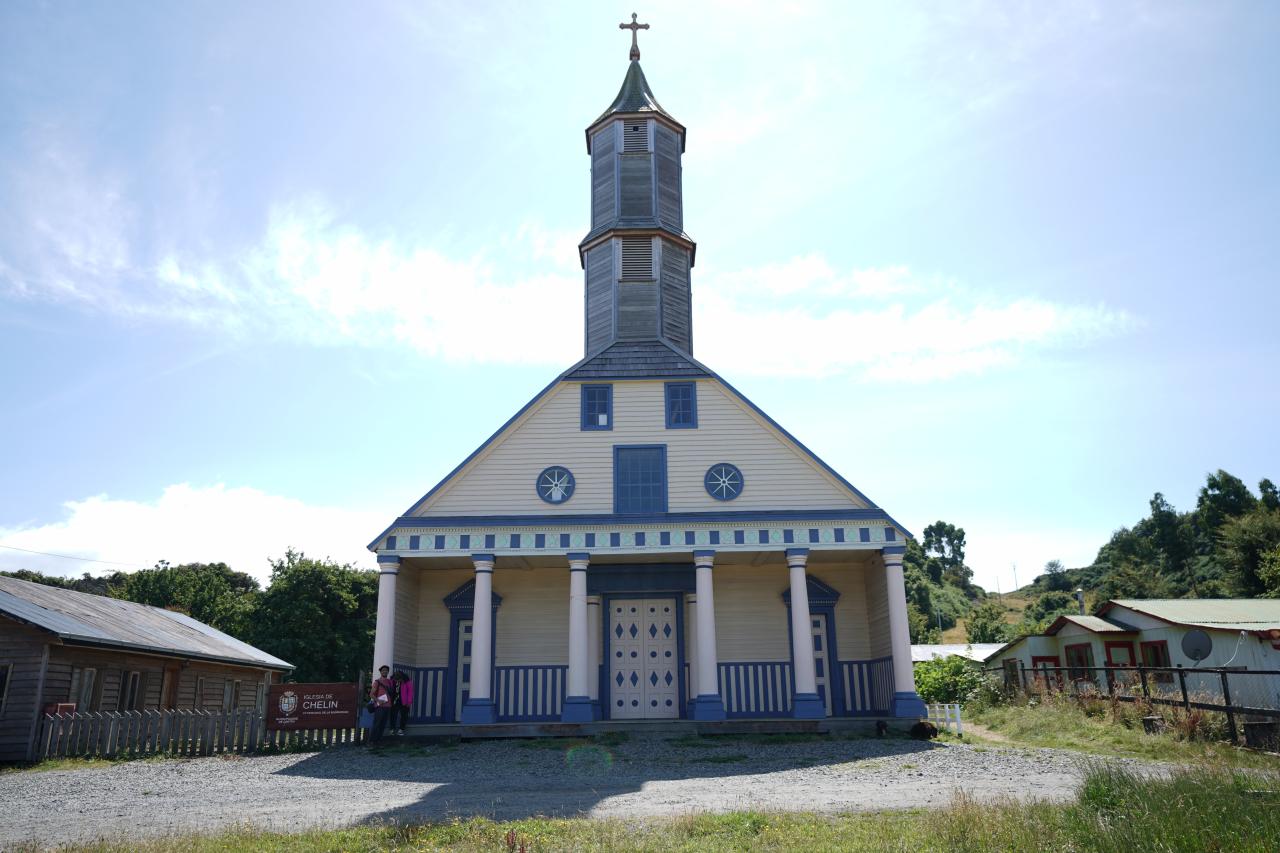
column 636, row 257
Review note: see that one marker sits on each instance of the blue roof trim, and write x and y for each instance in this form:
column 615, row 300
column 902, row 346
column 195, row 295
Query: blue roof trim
column 372, row 546
column 878, row 513
column 740, row 517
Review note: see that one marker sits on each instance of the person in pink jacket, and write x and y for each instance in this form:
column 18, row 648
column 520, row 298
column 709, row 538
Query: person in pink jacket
column 403, row 697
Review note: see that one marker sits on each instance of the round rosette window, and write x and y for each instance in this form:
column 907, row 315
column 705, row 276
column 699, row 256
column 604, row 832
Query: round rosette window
column 555, row 485
column 723, row 481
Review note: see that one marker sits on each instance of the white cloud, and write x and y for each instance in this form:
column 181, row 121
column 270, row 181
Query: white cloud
column 805, row 318
column 240, row 526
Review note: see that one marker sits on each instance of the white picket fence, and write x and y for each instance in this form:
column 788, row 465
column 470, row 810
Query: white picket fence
column 135, row 733
column 944, row 715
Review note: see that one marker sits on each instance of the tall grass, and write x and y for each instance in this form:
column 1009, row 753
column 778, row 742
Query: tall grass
column 1117, row 811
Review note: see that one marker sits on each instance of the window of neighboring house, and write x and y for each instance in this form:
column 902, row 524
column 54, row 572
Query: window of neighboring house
column 6, row 673
column 1156, row 653
column 682, row 406
column 1120, row 653
column 130, row 690
column 1080, row 662
column 235, row 694
column 640, row 479
column 1047, row 668
column 199, row 706
column 228, row 695
column 83, row 682
column 1012, row 674
column 257, row 697
column 597, row 407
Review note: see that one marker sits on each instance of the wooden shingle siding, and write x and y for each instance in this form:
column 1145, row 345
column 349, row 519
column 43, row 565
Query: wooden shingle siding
column 603, row 176
column 22, row 647
column 667, row 159
column 433, row 616
column 533, row 621
column 635, row 180
column 406, row 616
column 637, row 310
column 877, row 612
column 500, row 479
column 677, row 320
column 600, row 284
column 853, row 638
column 751, row 619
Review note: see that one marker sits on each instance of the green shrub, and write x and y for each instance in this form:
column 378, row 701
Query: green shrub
column 949, row 679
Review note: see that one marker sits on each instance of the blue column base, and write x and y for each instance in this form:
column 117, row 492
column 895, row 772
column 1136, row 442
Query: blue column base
column 577, row 709
column 596, row 713
column 807, row 706
column 909, row 705
column 479, row 712
column 708, row 707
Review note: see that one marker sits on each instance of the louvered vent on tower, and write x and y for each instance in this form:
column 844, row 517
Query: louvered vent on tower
column 637, row 258
column 635, row 138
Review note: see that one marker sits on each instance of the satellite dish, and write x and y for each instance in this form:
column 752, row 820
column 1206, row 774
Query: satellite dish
column 1196, row 645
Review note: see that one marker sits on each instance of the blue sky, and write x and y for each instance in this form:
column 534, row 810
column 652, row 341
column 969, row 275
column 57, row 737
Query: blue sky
column 268, row 271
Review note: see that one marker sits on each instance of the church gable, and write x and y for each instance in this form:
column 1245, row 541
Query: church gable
column 776, row 473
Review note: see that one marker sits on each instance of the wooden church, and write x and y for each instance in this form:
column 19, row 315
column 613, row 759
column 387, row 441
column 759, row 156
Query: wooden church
column 641, row 541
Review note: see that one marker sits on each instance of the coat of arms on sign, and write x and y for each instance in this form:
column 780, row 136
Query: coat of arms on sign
column 288, row 702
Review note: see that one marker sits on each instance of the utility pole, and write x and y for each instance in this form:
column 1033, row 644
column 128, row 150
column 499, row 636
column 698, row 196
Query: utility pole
column 1015, row 577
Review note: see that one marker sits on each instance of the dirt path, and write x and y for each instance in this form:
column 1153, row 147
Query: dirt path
column 644, row 776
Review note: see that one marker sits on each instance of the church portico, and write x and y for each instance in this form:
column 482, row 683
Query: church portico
column 749, row 652
column 640, row 542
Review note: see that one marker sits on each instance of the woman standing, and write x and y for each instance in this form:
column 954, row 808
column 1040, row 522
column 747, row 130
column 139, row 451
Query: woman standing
column 381, row 697
column 403, row 702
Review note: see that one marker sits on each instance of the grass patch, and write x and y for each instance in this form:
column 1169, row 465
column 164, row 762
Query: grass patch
column 1101, row 728
column 1117, row 811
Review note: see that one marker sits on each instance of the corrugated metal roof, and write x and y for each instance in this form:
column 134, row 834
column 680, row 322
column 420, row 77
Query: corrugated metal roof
column 1227, row 614
column 636, row 359
column 1093, row 623
column 973, row 651
column 98, row 620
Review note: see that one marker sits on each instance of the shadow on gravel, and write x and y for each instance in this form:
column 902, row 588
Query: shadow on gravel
column 514, row 779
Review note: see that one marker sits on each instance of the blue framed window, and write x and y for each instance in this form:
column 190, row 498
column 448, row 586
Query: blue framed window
column 640, row 478
column 682, row 405
column 597, row 407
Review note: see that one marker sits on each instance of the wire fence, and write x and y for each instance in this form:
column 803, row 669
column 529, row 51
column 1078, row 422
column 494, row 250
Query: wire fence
column 1249, row 698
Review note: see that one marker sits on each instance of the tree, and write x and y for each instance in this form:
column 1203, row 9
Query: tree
column 87, row 583
column 1269, row 496
column 1246, row 541
column 944, row 549
column 1055, row 577
column 1223, row 497
column 1269, row 573
column 986, row 623
column 948, row 679
column 210, row 592
column 319, row 616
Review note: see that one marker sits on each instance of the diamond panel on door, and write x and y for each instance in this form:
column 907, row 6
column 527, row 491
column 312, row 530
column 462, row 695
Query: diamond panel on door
column 662, row 691
column 643, row 669
column 626, row 650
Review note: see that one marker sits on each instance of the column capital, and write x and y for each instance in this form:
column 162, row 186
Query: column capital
column 578, row 560
column 483, row 562
column 704, row 558
column 893, row 554
column 388, row 564
column 797, row 557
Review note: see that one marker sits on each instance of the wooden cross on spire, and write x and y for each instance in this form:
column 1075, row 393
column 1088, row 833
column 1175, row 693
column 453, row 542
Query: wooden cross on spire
column 633, row 26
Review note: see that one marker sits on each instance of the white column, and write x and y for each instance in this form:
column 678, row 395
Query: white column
column 806, row 702
column 577, row 702
column 691, row 642
column 707, row 705
column 384, row 637
column 906, row 702
column 593, row 653
column 479, row 707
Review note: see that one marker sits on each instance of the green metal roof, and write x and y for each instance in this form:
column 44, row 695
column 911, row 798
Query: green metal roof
column 1091, row 623
column 635, row 98
column 1226, row 614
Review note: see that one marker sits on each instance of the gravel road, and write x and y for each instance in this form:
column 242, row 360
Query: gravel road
column 647, row 775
